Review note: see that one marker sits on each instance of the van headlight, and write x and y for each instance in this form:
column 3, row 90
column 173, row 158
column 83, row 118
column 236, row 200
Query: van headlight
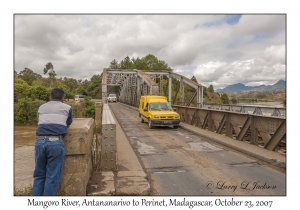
column 156, row 116
column 177, row 116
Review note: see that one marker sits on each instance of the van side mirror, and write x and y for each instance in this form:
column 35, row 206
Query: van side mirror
column 146, row 109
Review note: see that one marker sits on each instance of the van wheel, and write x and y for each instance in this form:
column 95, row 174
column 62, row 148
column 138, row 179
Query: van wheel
column 141, row 119
column 175, row 127
column 150, row 124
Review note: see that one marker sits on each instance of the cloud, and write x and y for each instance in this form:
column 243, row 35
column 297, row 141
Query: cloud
column 215, row 48
column 267, row 70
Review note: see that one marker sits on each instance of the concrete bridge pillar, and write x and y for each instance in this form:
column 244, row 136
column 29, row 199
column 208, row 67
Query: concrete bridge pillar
column 77, row 167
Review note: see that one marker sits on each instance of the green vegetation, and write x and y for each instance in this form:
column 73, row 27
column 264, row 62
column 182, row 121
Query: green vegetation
column 234, row 100
column 261, row 96
column 225, row 98
column 258, row 96
column 26, row 110
column 211, row 88
column 149, row 62
column 29, row 76
column 32, row 90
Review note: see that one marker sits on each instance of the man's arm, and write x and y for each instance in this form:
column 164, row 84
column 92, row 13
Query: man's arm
column 70, row 118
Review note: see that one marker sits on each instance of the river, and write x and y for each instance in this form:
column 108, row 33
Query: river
column 24, row 137
column 277, row 104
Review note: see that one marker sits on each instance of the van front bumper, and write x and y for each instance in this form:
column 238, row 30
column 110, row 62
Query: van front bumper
column 165, row 122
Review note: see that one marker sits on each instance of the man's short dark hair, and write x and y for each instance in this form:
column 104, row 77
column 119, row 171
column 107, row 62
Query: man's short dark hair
column 57, row 93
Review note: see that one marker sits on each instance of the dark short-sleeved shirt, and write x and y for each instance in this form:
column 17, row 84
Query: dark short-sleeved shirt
column 53, row 118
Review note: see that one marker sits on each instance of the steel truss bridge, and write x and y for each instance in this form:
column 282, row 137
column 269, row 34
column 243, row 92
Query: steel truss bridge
column 262, row 126
column 134, row 83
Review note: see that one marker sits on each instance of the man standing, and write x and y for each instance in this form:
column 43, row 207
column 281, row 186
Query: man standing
column 54, row 117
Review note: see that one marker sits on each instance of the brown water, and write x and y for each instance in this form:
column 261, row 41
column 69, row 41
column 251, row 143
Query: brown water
column 24, row 135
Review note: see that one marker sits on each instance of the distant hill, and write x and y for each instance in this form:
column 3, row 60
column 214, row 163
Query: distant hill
column 239, row 87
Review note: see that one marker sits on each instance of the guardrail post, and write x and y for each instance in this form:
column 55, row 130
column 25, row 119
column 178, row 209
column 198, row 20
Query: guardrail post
column 228, row 131
column 254, row 132
column 108, row 151
column 210, row 122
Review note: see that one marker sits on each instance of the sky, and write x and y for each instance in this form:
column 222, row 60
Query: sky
column 218, row 49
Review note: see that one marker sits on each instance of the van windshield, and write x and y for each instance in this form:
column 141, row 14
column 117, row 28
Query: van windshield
column 159, row 106
column 112, row 95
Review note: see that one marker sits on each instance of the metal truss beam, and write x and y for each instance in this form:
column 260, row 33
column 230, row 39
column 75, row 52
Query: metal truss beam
column 264, row 131
column 145, row 83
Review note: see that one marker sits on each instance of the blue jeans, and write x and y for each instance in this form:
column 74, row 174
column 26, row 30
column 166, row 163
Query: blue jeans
column 49, row 159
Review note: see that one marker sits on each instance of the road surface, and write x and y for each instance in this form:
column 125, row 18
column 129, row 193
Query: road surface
column 179, row 163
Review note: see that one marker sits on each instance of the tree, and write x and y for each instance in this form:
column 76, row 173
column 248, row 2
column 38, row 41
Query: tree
column 20, row 81
column 94, row 87
column 29, row 76
column 225, row 98
column 26, row 110
column 204, row 92
column 21, row 89
column 49, row 69
column 234, row 100
column 149, row 62
column 211, row 88
column 114, row 64
column 161, row 65
column 189, row 88
column 40, row 92
column 81, row 90
column 126, row 63
column 70, row 84
column 194, row 79
column 140, row 64
column 89, row 107
column 69, row 95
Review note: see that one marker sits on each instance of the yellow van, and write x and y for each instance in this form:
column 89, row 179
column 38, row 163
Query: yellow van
column 157, row 112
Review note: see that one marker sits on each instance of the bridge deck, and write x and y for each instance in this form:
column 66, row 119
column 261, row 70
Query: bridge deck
column 179, row 162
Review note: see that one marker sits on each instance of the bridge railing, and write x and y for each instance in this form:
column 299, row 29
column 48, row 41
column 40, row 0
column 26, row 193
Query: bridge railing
column 78, row 161
column 264, row 131
column 257, row 110
column 108, row 148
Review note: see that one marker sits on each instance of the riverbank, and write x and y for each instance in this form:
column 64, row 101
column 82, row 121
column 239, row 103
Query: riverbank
column 24, row 137
column 23, row 167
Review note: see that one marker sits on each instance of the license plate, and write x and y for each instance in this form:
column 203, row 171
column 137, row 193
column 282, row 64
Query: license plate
column 166, row 122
